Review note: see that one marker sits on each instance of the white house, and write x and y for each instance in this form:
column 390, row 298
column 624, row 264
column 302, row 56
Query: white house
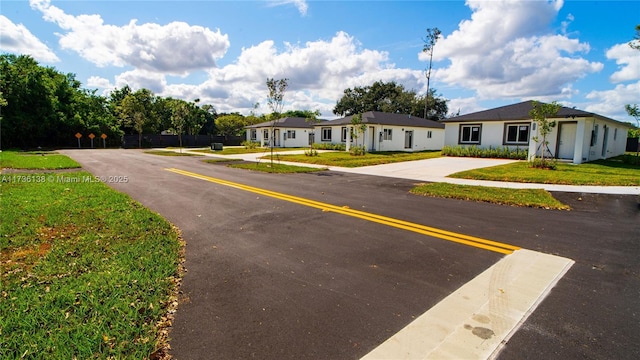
column 383, row 132
column 285, row 132
column 579, row 136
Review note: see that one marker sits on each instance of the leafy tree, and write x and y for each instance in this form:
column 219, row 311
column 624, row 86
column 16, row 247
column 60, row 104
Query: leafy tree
column 179, row 118
column 387, row 97
column 635, row 43
column 275, row 100
column 230, row 125
column 634, row 112
column 540, row 113
column 358, row 128
column 433, row 34
column 136, row 110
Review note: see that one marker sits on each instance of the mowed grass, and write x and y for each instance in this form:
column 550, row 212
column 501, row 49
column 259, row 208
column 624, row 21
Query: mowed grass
column 537, row 198
column 243, row 150
column 275, row 168
column 599, row 173
column 345, row 159
column 86, row 271
column 35, row 160
column 169, row 153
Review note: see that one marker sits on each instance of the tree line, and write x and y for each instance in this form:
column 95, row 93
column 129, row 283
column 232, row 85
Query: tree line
column 42, row 107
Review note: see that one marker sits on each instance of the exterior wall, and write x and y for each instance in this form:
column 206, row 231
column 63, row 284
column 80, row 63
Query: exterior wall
column 374, row 140
column 492, row 134
column 301, row 137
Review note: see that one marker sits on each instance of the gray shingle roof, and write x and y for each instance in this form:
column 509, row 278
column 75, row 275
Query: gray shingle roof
column 519, row 111
column 288, row 122
column 382, row 118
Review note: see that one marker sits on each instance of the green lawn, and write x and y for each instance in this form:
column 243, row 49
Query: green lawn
column 276, row 168
column 169, row 153
column 242, row 150
column 345, row 159
column 86, row 271
column 601, row 173
column 35, row 160
column 516, row 197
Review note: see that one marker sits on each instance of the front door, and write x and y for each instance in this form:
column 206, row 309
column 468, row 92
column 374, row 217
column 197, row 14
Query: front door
column 604, row 141
column 372, row 138
column 312, row 138
column 276, row 137
column 566, row 139
column 408, row 139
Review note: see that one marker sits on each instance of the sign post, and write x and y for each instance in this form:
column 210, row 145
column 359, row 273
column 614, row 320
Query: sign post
column 91, row 136
column 104, row 143
column 78, row 136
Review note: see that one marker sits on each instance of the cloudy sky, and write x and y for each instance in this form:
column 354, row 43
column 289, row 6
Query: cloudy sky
column 491, row 53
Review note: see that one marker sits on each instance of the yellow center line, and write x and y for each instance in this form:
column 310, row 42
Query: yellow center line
column 400, row 224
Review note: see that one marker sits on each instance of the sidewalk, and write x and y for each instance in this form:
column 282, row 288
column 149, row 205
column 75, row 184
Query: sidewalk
column 437, row 170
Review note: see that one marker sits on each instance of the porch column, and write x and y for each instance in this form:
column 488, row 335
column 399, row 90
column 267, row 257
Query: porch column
column 348, row 138
column 577, row 150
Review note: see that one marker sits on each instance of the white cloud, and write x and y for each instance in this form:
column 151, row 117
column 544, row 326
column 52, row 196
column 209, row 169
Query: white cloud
column 174, row 48
column 503, row 52
column 611, row 103
column 301, row 5
column 142, row 79
column 98, row 82
column 17, row 39
column 628, row 61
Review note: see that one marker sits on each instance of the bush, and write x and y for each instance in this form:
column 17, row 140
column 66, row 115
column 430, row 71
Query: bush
column 311, row 152
column 549, row 164
column 329, row 146
column 250, row 144
column 490, row 152
column 357, row 150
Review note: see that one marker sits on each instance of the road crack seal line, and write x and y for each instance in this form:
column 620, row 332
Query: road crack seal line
column 400, row 224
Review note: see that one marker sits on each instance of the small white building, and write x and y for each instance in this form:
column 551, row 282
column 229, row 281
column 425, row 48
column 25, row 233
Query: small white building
column 286, row 132
column 578, row 136
column 383, row 132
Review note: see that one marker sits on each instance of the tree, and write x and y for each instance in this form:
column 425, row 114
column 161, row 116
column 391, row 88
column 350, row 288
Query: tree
column 634, row 112
column 230, row 125
column 388, row 97
column 433, row 34
column 358, row 127
column 136, row 110
column 179, row 118
column 540, row 113
column 276, row 103
column 635, row 43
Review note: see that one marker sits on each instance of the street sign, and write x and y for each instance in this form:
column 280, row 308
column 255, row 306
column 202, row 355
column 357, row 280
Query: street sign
column 103, row 136
column 104, row 143
column 91, row 136
column 78, row 136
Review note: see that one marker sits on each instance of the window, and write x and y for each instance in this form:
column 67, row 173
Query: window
column 291, row 134
column 470, row 134
column 386, row 134
column 594, row 136
column 254, row 134
column 516, row 134
column 326, row 134
column 615, row 133
column 344, row 134
column 429, row 134
column 265, row 134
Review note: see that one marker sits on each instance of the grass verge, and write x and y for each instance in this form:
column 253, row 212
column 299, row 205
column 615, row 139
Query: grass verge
column 220, row 161
column 537, row 198
column 168, row 153
column 36, row 160
column 243, row 150
column 599, row 173
column 86, row 272
column 345, row 159
column 276, row 168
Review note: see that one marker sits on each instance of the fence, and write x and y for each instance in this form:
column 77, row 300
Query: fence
column 160, row 141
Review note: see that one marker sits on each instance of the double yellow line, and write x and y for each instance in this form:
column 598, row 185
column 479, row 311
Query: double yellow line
column 400, row 224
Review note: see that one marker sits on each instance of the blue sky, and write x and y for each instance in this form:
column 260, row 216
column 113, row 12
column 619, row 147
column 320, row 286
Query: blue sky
column 491, row 53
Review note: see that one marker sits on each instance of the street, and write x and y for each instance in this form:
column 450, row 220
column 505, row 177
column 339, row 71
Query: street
column 273, row 278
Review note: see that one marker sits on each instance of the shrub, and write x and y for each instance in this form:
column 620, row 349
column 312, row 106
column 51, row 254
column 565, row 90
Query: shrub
column 329, row 146
column 544, row 164
column 311, row 152
column 490, row 152
column 358, row 150
column 250, row 144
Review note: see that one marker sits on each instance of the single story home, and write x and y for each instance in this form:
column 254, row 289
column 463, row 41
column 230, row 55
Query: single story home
column 383, row 132
column 578, row 136
column 285, row 132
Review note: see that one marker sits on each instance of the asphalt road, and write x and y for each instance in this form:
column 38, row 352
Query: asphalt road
column 272, row 279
